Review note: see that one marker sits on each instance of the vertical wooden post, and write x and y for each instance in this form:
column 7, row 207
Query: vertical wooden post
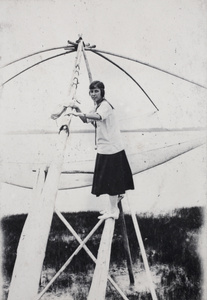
column 123, row 224
column 144, row 256
column 126, row 244
column 87, row 66
column 41, row 174
column 31, row 250
column 98, row 286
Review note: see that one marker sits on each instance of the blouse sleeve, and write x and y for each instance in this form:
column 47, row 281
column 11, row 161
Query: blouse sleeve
column 104, row 110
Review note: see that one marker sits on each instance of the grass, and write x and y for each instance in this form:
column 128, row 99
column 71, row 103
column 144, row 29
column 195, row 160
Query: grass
column 171, row 244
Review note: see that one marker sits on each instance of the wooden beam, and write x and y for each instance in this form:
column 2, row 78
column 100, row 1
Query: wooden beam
column 143, row 252
column 126, row 244
column 87, row 66
column 31, row 250
column 98, row 286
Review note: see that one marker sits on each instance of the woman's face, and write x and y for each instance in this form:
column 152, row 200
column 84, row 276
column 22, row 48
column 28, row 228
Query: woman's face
column 95, row 94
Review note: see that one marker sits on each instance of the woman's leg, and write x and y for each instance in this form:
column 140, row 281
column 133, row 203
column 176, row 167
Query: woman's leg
column 113, row 203
column 113, row 208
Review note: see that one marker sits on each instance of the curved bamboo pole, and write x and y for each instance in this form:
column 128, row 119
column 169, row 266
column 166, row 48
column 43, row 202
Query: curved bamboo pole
column 38, row 63
column 129, row 76
column 72, row 45
column 38, row 52
column 147, row 65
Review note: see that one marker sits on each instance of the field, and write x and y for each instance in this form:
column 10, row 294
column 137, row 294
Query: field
column 171, row 242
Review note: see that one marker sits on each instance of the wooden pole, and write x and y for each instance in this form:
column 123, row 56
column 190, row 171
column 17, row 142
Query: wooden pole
column 126, row 244
column 31, row 250
column 98, row 286
column 144, row 256
column 87, row 66
column 123, row 224
column 41, row 174
column 101, row 274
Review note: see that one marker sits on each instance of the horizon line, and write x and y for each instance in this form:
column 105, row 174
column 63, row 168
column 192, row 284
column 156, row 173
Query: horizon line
column 153, row 129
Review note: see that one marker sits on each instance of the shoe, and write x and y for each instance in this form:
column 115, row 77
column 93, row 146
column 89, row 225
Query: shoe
column 107, row 215
column 102, row 212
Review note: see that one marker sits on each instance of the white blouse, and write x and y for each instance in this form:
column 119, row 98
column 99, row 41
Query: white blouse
column 108, row 135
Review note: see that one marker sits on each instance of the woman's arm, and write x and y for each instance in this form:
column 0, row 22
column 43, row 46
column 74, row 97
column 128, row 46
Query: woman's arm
column 63, row 109
column 83, row 116
column 57, row 115
column 92, row 116
column 78, row 113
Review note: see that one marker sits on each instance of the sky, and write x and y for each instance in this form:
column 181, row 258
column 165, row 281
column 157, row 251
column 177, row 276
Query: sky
column 167, row 34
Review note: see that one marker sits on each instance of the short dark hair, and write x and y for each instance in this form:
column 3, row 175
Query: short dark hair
column 98, row 84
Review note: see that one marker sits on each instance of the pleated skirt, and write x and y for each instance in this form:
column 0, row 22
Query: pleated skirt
column 112, row 174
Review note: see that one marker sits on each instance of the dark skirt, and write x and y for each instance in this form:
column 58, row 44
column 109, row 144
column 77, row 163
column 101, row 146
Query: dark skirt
column 112, row 174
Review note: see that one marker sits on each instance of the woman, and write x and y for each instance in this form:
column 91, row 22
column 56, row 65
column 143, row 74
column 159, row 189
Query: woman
column 112, row 174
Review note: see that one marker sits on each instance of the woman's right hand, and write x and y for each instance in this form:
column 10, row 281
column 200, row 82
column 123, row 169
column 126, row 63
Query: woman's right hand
column 74, row 106
column 61, row 109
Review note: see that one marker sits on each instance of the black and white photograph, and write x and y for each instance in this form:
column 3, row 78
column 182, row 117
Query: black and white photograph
column 103, row 170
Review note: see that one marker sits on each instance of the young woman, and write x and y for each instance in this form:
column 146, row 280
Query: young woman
column 112, row 174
